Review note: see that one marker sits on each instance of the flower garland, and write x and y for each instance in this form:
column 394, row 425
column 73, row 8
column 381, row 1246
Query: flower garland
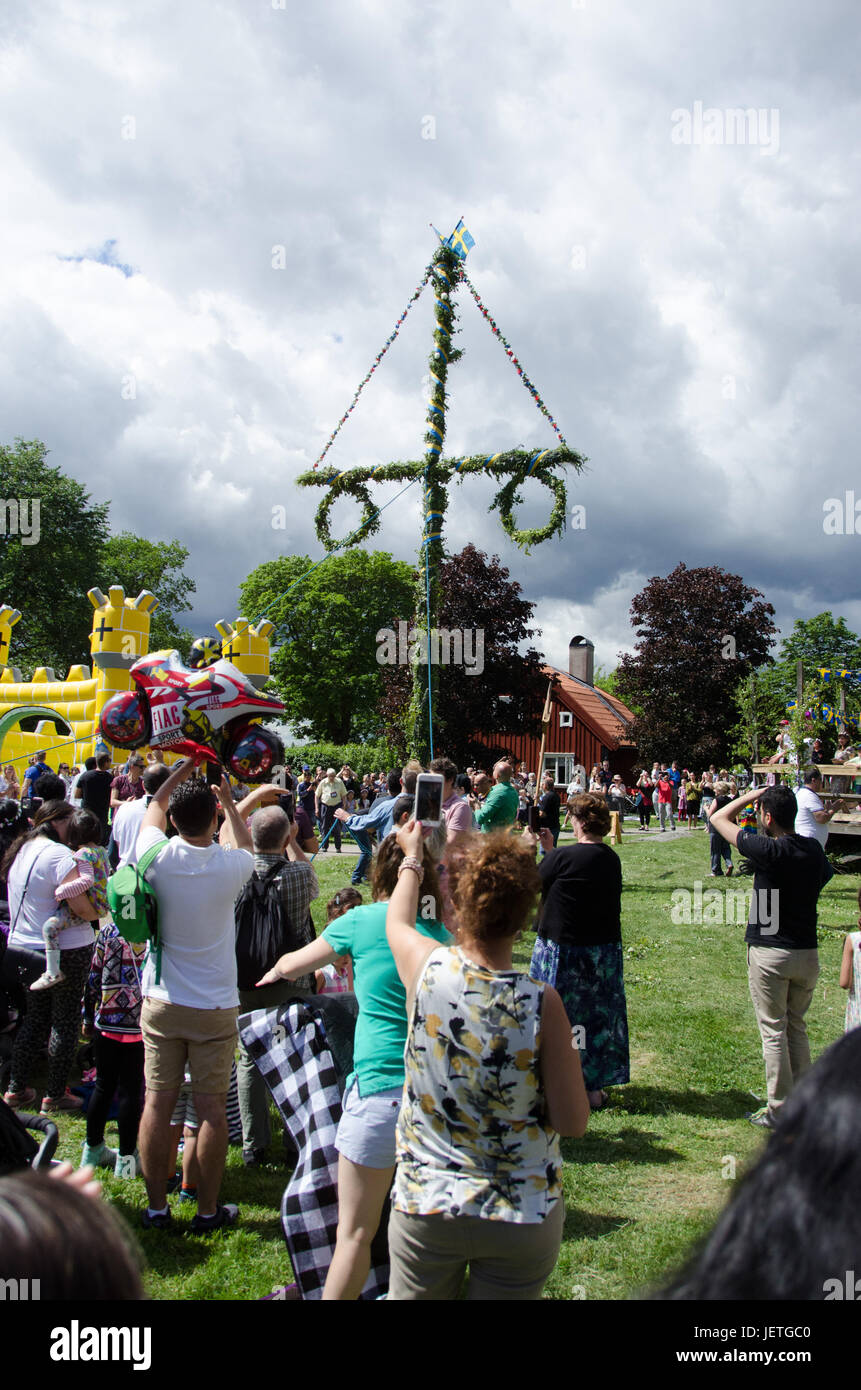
column 515, row 465
column 509, row 352
column 377, row 360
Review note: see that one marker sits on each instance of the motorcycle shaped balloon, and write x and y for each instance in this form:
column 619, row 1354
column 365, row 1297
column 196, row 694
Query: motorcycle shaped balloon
column 205, row 714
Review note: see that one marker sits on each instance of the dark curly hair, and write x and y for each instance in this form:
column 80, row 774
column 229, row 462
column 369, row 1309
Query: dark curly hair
column 192, row 807
column 494, row 884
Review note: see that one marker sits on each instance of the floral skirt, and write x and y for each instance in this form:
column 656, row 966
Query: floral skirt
column 591, row 984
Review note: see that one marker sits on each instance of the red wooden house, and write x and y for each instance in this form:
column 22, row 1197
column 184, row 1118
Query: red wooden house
column 586, row 725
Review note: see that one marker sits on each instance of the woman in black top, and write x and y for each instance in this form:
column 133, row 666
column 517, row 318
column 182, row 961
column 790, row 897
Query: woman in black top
column 579, row 946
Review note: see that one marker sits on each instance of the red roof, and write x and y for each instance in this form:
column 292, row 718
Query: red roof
column 606, row 716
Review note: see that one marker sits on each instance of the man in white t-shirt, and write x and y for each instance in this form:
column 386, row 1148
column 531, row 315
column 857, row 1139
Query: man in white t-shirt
column 129, row 815
column 812, row 818
column 190, row 1014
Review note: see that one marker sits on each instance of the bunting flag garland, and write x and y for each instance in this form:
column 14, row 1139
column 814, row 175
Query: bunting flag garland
column 827, row 674
column 377, row 360
column 509, row 351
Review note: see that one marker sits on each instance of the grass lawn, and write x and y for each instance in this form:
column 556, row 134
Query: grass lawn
column 654, row 1168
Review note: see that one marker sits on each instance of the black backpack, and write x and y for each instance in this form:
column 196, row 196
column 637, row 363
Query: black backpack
column 263, row 931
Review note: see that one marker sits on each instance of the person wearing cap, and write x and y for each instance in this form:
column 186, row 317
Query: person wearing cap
column 331, row 795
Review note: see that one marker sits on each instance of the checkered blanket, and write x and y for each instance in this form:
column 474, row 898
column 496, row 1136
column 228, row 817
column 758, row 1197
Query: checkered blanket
column 290, row 1048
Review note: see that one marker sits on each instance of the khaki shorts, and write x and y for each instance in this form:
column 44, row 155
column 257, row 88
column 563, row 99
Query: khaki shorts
column 174, row 1034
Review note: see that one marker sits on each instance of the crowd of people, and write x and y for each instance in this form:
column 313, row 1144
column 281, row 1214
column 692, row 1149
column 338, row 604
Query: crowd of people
column 466, row 1069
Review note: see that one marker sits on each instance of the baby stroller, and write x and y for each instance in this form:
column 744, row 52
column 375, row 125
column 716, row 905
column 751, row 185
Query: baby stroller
column 18, row 1148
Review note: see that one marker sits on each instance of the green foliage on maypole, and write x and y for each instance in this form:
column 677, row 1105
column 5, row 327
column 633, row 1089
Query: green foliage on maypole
column 511, row 466
column 445, row 271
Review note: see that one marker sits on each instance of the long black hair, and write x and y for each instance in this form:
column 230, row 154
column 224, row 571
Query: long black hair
column 795, row 1222
column 43, row 824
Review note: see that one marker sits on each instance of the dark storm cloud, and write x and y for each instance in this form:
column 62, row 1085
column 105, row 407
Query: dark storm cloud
column 688, row 312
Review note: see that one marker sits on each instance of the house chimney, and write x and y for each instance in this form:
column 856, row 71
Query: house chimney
column 581, row 659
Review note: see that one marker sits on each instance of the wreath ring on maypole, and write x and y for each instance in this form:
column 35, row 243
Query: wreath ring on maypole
column 345, row 485
column 508, row 497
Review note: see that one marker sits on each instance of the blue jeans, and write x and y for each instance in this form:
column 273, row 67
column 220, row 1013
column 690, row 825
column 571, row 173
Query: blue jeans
column 365, row 855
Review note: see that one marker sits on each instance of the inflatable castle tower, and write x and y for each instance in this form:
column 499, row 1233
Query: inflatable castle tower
column 67, row 711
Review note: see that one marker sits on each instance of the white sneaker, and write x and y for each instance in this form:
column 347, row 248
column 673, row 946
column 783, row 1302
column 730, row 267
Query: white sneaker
column 47, row 981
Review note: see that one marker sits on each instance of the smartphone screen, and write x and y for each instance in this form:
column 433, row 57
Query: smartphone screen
column 429, row 799
column 534, row 819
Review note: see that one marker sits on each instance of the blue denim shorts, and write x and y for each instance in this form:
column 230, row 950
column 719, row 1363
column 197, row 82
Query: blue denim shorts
column 366, row 1133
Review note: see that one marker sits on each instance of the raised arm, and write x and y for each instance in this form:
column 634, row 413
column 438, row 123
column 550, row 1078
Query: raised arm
column 723, row 821
column 238, row 834
column 409, row 947
column 250, row 802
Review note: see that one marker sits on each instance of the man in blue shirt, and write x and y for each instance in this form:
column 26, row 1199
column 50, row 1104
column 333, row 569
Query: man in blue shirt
column 379, row 818
column 36, row 769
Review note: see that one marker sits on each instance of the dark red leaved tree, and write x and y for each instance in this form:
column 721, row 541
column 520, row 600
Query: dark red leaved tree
column 699, row 631
column 476, row 596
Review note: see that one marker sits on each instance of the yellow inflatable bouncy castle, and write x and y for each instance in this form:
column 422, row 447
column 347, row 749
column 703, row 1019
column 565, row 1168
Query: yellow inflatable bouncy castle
column 66, row 712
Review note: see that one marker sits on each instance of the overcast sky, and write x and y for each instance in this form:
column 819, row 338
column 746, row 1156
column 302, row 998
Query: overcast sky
column 686, row 303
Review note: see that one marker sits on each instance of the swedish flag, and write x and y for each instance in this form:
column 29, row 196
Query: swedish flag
column 460, row 241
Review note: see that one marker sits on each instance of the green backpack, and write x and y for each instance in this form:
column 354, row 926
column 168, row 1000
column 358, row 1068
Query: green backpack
column 134, row 905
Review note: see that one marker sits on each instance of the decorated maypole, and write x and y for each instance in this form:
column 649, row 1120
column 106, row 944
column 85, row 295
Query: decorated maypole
column 445, row 272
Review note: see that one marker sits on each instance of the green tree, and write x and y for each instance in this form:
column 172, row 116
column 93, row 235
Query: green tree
column 47, row 573
column 821, row 641
column 138, row 564
column 761, row 700
column 325, row 667
column 609, row 681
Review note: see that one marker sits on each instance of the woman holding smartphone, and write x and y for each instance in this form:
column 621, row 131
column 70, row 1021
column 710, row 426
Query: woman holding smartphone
column 366, row 1133
column 491, row 1082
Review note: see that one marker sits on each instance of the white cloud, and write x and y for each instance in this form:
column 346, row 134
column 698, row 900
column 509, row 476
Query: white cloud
column 689, row 314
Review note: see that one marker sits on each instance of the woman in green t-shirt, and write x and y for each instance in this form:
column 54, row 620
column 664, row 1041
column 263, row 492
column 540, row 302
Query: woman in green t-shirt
column 372, row 1099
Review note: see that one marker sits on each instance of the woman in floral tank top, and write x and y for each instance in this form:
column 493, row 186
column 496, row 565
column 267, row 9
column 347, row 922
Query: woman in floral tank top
column 492, row 1080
